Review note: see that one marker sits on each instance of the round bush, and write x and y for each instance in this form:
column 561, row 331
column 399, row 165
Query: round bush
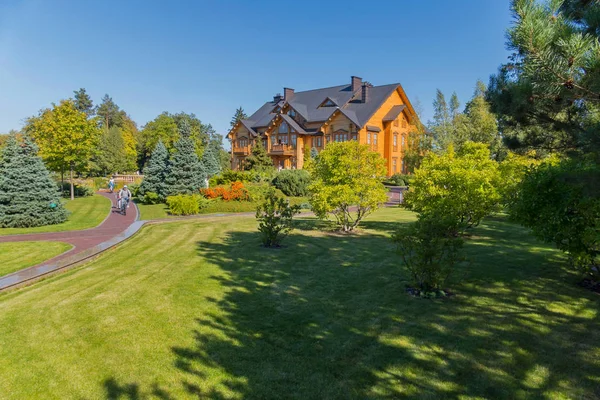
column 292, row 182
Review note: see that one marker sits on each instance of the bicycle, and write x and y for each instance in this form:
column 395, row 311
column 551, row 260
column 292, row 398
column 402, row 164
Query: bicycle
column 124, row 203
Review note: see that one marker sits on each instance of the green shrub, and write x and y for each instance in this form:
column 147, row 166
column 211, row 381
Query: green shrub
column 79, row 190
column 258, row 191
column 134, row 188
column 305, row 206
column 430, row 249
column 292, row 182
column 151, row 198
column 274, row 218
column 186, row 204
column 230, row 176
column 560, row 202
column 398, row 180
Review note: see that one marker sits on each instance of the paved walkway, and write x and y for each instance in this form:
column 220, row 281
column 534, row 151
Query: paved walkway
column 86, row 243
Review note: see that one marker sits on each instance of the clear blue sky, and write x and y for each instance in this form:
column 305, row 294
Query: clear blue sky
column 209, row 57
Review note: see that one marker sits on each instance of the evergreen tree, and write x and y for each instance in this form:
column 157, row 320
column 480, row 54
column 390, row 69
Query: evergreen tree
column 210, row 162
column 454, row 106
column 109, row 112
column 258, row 160
column 186, row 175
column 156, row 172
column 28, row 195
column 314, row 153
column 239, row 114
column 441, row 127
column 83, row 102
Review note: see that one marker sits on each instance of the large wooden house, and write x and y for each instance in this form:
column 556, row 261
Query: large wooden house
column 379, row 116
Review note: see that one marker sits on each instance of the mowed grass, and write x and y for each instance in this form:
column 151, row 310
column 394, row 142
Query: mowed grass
column 160, row 211
column 85, row 212
column 15, row 256
column 197, row 309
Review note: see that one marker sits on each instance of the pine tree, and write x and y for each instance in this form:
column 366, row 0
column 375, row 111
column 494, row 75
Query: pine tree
column 211, row 164
column 28, row 195
column 187, row 174
column 239, row 114
column 156, row 172
column 83, row 102
column 441, row 127
column 454, row 106
column 258, row 160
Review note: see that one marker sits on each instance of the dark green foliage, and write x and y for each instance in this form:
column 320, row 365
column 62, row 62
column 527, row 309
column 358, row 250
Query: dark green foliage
column 274, row 218
column 110, row 157
column 561, row 205
column 79, row 190
column 155, row 173
column 258, row 160
column 398, row 180
column 430, row 248
column 239, row 114
column 314, row 153
column 83, row 102
column 151, row 198
column 210, row 161
column 186, row 174
column 292, row 182
column 28, row 196
column 110, row 114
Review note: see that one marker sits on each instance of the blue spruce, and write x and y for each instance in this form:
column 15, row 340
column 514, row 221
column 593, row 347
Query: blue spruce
column 156, row 173
column 186, row 175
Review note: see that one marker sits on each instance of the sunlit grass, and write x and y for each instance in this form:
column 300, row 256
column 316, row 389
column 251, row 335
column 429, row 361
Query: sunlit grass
column 85, row 212
column 197, row 309
column 15, row 256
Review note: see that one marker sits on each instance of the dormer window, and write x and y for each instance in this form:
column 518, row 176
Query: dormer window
column 327, row 103
column 292, row 113
column 283, row 128
column 277, row 110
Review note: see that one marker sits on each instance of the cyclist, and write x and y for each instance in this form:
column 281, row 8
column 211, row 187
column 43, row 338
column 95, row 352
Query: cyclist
column 124, row 196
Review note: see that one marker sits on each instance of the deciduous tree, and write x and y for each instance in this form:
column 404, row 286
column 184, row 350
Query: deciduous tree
column 65, row 136
column 346, row 183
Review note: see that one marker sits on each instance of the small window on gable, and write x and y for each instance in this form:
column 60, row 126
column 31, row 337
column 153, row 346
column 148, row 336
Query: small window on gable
column 292, row 113
column 283, row 128
column 327, row 103
column 277, row 110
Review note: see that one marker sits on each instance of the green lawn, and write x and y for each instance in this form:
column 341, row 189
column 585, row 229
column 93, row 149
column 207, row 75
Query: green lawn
column 159, row 211
column 15, row 256
column 197, row 309
column 85, row 212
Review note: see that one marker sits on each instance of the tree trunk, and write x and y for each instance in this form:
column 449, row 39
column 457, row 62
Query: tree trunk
column 62, row 180
column 72, row 185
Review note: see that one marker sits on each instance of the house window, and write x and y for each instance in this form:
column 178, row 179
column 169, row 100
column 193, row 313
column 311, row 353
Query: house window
column 293, row 162
column 403, row 170
column 283, row 128
column 395, row 142
column 403, row 141
column 328, row 103
column 283, row 139
column 368, row 138
column 274, row 139
column 264, row 142
column 351, row 128
column 394, row 165
column 293, row 140
column 374, row 139
column 292, row 113
column 403, row 123
column 354, row 136
column 319, row 141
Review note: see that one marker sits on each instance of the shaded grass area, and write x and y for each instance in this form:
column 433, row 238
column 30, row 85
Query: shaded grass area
column 85, row 213
column 159, row 211
column 197, row 309
column 15, row 256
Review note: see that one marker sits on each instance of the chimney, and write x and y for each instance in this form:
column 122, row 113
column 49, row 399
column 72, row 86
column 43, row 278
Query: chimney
column 365, row 92
column 288, row 93
column 277, row 98
column 356, row 83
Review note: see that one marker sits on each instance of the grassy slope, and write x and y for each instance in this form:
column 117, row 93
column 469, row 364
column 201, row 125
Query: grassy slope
column 18, row 255
column 198, row 309
column 86, row 212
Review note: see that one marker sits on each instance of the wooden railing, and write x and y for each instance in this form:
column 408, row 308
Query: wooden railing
column 285, row 149
column 128, row 178
column 241, row 150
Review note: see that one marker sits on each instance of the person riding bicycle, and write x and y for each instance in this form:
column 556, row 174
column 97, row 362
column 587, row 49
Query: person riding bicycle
column 124, row 196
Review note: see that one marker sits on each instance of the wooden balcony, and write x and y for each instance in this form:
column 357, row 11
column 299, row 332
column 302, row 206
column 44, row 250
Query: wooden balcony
column 241, row 151
column 282, row 150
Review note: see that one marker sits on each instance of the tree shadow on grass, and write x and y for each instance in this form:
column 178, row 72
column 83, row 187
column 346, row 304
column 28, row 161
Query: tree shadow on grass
column 327, row 317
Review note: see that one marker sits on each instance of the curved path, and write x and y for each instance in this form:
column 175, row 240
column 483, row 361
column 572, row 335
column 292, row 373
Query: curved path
column 86, row 243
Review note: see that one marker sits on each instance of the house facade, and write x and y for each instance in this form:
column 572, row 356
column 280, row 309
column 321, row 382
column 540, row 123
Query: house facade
column 378, row 116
